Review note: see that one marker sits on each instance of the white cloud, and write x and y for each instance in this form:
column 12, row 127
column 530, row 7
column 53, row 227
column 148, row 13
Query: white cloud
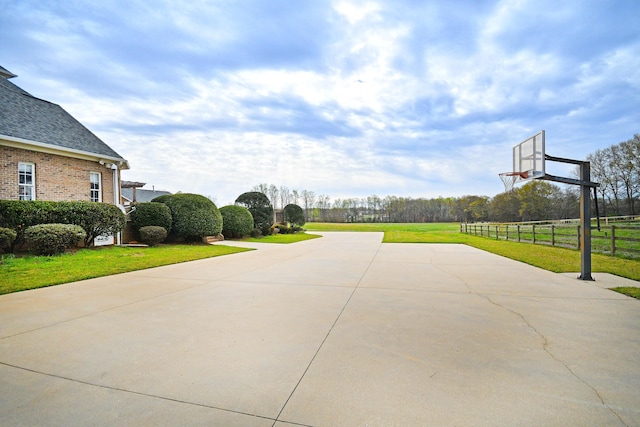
column 359, row 97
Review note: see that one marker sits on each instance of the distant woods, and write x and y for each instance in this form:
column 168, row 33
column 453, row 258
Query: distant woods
column 616, row 168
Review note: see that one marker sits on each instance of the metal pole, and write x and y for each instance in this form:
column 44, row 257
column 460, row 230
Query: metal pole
column 585, row 222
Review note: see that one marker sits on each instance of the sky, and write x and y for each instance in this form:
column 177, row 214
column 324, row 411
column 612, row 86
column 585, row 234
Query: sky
column 344, row 98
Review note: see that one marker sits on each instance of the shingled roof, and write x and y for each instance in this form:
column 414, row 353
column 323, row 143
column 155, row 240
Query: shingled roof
column 32, row 119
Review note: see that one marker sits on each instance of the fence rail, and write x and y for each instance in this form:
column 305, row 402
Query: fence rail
column 621, row 238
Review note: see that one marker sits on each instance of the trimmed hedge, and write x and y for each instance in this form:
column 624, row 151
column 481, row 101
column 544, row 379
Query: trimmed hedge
column 53, row 239
column 260, row 208
column 193, row 216
column 285, row 229
column 7, row 237
column 237, row 221
column 151, row 213
column 152, row 234
column 20, row 214
column 95, row 218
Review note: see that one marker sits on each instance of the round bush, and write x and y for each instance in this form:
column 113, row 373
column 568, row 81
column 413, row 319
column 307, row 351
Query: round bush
column 237, row 221
column 96, row 219
column 152, row 234
column 260, row 208
column 151, row 213
column 7, row 237
column 294, row 214
column 280, row 228
column 193, row 216
column 52, row 239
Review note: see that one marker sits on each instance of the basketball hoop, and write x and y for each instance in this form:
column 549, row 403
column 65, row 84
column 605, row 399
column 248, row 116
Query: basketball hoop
column 510, row 178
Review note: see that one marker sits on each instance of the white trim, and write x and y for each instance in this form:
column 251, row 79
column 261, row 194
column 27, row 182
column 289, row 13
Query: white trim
column 11, row 141
column 91, row 190
column 33, row 180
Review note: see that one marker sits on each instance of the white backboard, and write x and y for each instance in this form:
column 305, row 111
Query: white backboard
column 528, row 158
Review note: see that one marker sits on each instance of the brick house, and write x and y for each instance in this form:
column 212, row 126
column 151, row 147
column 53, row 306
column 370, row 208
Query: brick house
column 46, row 154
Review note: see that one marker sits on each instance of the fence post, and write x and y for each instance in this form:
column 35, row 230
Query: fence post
column 497, row 232
column 553, row 235
column 518, row 232
column 533, row 232
column 613, row 240
column 506, row 231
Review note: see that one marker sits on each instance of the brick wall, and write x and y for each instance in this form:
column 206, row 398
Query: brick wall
column 58, row 178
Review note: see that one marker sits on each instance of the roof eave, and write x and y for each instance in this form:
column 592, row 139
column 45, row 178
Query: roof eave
column 42, row 147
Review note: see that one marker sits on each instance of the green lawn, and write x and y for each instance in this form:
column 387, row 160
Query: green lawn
column 30, row 272
column 283, row 238
column 550, row 258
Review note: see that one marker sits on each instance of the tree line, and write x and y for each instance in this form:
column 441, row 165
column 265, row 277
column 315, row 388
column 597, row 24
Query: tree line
column 533, row 201
column 616, row 168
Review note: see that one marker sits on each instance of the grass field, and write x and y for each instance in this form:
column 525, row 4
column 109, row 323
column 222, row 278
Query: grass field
column 30, row 272
column 550, row 258
column 283, row 238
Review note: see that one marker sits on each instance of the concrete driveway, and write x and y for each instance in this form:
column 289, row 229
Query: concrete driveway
column 337, row 331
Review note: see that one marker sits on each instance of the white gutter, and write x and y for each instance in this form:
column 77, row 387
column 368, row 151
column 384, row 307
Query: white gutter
column 12, row 141
column 116, row 195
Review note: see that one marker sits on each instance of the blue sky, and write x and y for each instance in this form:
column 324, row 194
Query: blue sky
column 343, row 98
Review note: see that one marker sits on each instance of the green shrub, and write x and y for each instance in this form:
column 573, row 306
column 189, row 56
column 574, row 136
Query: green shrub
column 237, row 221
column 7, row 237
column 260, row 208
column 282, row 228
column 95, row 218
column 152, row 234
column 294, row 215
column 20, row 214
column 255, row 233
column 151, row 213
column 52, row 239
column 193, row 216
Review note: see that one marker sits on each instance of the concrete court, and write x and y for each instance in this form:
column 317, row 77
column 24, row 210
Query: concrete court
column 337, row 331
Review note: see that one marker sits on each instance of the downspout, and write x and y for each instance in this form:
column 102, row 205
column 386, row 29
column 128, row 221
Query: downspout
column 116, row 196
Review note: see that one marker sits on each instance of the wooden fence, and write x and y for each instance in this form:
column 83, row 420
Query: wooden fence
column 614, row 238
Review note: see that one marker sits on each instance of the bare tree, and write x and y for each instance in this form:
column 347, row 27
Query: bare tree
column 324, row 203
column 261, row 188
column 273, row 195
column 285, row 196
column 600, row 173
column 309, row 199
column 628, row 165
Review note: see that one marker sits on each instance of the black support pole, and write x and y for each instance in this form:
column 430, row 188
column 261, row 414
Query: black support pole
column 585, row 209
column 585, row 222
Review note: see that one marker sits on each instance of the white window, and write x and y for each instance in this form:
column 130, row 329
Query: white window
column 27, row 181
column 96, row 186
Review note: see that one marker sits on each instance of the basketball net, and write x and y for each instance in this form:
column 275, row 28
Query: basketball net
column 510, row 178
